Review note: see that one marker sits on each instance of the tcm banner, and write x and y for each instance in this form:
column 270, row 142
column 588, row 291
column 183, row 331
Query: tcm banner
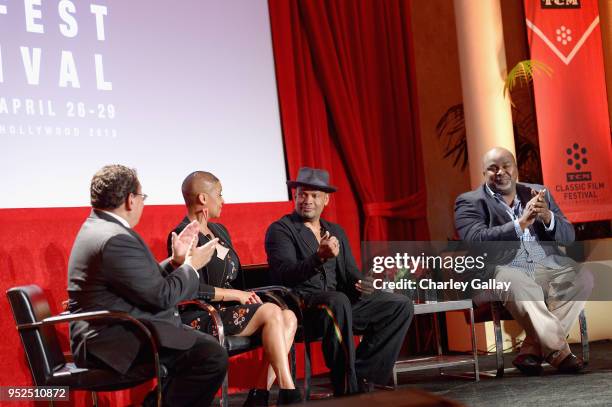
column 571, row 106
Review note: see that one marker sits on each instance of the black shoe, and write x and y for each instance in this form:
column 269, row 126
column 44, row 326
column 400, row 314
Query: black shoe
column 571, row 364
column 289, row 396
column 257, row 398
column 530, row 365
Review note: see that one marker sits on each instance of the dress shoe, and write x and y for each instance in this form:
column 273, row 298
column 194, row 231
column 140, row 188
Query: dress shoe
column 257, row 398
column 530, row 365
column 571, row 364
column 289, row 396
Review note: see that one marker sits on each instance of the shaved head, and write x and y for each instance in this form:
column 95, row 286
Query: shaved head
column 500, row 171
column 196, row 183
column 495, row 153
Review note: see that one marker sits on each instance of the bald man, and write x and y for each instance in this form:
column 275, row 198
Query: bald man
column 547, row 289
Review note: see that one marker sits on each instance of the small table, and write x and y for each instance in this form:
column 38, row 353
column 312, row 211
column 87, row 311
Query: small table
column 441, row 361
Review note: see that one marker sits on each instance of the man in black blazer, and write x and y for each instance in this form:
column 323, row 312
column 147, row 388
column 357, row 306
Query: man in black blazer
column 111, row 268
column 548, row 290
column 313, row 256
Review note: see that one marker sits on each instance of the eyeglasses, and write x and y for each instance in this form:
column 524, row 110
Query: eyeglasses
column 144, row 196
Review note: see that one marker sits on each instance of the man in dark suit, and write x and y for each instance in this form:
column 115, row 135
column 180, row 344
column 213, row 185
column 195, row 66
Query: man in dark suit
column 111, row 268
column 313, row 256
column 548, row 289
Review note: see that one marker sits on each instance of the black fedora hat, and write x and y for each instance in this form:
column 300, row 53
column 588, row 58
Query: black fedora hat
column 312, row 178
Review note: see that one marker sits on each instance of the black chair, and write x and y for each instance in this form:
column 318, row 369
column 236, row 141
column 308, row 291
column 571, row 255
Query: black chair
column 296, row 304
column 258, row 274
column 236, row 345
column 496, row 312
column 46, row 360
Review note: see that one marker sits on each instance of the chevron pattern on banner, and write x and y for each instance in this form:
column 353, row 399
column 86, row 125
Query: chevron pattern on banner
column 564, row 36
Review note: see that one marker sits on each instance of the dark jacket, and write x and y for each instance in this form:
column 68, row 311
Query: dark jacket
column 111, row 268
column 291, row 249
column 480, row 218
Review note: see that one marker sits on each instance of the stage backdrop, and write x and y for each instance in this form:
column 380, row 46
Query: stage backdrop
column 571, row 106
column 166, row 88
column 34, row 249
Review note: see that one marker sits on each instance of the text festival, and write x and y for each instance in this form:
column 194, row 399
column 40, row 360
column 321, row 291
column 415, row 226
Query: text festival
column 69, row 28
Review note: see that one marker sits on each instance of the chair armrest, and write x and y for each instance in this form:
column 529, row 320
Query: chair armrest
column 65, row 317
column 214, row 314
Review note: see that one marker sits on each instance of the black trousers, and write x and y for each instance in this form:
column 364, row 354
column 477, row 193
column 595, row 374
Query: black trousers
column 195, row 374
column 383, row 320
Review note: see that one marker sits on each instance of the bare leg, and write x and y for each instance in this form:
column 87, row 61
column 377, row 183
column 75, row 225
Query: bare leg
column 269, row 319
column 271, row 377
column 290, row 323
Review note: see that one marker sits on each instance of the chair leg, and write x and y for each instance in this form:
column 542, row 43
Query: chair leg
column 307, row 370
column 499, row 341
column 436, row 325
column 292, row 362
column 474, row 345
column 224, row 401
column 584, row 336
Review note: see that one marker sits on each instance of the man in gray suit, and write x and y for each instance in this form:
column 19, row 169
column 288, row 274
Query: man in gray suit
column 111, row 268
column 547, row 290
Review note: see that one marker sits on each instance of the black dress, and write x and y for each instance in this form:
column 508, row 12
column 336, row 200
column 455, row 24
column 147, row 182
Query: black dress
column 218, row 273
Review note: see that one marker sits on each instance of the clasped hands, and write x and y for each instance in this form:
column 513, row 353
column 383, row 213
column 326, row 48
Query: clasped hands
column 536, row 208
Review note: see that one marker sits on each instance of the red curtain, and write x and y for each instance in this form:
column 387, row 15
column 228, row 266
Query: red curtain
column 345, row 82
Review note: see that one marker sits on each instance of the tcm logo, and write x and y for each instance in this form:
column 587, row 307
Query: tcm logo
column 578, row 176
column 560, row 3
column 577, row 158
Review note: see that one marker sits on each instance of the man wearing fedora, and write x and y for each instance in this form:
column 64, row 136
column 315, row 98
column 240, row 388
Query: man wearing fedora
column 313, row 257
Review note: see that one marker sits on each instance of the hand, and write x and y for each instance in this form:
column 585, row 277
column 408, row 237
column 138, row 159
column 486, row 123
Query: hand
column 247, row 297
column 182, row 243
column 365, row 286
column 198, row 257
column 529, row 212
column 329, row 247
column 541, row 207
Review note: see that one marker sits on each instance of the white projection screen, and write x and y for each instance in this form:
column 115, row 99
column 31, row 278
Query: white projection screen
column 166, row 87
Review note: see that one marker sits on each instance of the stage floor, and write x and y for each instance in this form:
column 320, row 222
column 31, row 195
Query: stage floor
column 591, row 388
